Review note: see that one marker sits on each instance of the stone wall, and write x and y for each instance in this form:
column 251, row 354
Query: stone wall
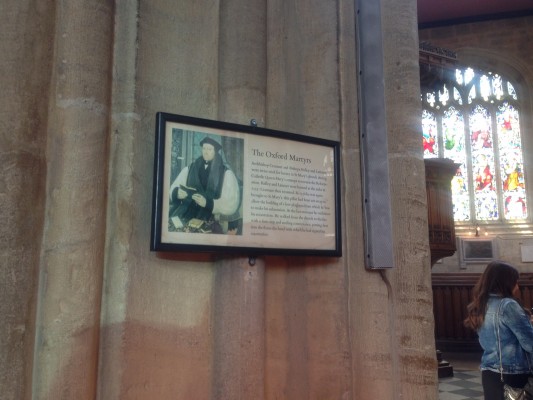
column 92, row 313
column 24, row 78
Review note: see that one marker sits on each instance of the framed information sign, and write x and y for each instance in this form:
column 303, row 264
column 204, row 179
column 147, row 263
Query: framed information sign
column 222, row 187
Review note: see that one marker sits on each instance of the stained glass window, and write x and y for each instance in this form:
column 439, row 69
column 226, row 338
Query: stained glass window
column 474, row 119
column 429, row 135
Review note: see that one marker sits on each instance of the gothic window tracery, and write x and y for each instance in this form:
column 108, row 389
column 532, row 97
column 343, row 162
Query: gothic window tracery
column 474, row 119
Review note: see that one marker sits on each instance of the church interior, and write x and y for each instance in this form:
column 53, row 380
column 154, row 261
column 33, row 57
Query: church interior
column 90, row 311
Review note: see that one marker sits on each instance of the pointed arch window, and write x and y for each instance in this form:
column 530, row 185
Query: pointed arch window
column 474, row 119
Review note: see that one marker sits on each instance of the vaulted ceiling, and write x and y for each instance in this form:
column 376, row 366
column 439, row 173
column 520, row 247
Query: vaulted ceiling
column 447, row 12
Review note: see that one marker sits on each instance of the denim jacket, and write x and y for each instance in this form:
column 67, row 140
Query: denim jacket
column 516, row 337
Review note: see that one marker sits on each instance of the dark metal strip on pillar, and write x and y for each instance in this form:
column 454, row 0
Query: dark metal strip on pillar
column 373, row 140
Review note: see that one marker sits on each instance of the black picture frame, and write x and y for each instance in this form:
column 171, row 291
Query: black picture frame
column 477, row 250
column 268, row 192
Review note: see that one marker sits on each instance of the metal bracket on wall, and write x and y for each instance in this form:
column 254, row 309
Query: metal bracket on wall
column 373, row 138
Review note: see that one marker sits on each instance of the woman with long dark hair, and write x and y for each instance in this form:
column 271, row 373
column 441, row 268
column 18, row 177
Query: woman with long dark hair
column 504, row 330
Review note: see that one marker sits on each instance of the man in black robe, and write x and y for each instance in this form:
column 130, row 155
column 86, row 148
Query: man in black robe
column 206, row 190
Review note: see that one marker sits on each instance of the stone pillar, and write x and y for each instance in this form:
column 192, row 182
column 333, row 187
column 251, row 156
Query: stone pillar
column 410, row 308
column 239, row 330
column 24, row 78
column 72, row 258
column 239, row 295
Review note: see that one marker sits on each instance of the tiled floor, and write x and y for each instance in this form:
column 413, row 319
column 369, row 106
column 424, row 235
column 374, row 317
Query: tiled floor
column 466, row 382
column 462, row 386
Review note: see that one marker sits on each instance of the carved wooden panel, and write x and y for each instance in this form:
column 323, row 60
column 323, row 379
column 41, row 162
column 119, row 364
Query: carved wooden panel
column 439, row 172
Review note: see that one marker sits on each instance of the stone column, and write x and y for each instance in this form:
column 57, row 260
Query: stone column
column 239, row 351
column 239, row 330
column 24, row 78
column 72, row 258
column 410, row 318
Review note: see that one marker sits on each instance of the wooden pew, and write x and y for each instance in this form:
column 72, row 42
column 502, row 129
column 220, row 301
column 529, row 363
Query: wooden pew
column 451, row 295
